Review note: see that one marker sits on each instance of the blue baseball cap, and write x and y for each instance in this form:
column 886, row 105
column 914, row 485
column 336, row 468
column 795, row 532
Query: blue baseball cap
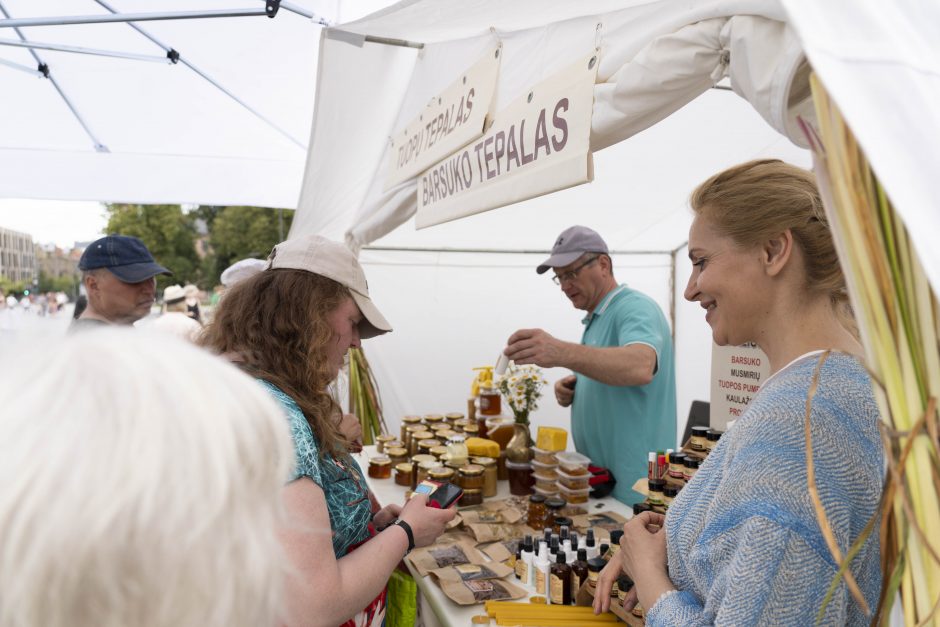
column 126, row 257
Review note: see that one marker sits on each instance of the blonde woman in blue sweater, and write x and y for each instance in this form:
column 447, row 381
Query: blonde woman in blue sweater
column 741, row 544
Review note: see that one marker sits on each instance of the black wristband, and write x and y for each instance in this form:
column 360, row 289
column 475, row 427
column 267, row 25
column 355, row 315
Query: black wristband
column 411, row 536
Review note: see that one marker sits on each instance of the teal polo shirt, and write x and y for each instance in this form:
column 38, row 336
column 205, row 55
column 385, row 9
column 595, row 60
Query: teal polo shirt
column 617, row 426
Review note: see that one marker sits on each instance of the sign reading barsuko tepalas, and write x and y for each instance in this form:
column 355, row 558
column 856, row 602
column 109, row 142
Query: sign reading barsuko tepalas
column 538, row 144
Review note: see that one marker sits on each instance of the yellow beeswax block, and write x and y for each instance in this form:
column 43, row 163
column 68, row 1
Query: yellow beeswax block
column 552, row 439
column 481, row 447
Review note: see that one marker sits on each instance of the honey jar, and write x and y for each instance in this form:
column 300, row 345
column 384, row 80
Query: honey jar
column 490, row 404
column 409, row 438
column 441, row 474
column 453, row 417
column 472, row 496
column 697, row 443
column 424, row 469
column 380, row 467
column 520, row 478
column 408, row 421
column 459, row 425
column 537, row 512
column 397, row 455
column 441, row 426
column 433, row 419
column 403, row 474
column 470, row 477
column 381, row 441
column 417, row 459
column 438, row 452
column 489, row 474
column 471, row 430
column 416, row 437
column 425, row 446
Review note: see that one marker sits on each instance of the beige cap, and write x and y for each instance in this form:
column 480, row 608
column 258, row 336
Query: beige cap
column 319, row 255
column 173, row 293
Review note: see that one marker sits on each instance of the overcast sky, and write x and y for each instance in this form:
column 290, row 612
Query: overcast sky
column 62, row 222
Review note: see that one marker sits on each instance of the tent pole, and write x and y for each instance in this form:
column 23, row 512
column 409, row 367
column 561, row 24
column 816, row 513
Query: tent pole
column 128, row 17
column 43, row 69
column 173, row 54
column 22, row 68
column 78, row 50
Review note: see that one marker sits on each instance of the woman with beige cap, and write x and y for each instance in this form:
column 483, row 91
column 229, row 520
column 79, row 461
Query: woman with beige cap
column 290, row 327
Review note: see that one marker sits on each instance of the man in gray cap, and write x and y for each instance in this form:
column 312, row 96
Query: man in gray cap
column 622, row 391
column 118, row 273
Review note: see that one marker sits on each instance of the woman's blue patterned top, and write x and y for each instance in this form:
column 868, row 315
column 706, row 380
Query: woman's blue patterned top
column 340, row 478
column 744, row 543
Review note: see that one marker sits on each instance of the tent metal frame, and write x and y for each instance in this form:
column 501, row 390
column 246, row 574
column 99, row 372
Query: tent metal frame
column 172, row 56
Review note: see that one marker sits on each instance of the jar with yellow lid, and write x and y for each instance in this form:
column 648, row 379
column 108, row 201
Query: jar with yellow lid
column 409, row 438
column 416, row 437
column 437, row 428
column 433, row 419
column 453, row 417
column 438, row 452
column 397, row 454
column 425, row 446
column 460, row 424
column 417, row 459
column 408, row 421
column 471, row 430
column 424, row 469
column 489, row 474
column 441, row 474
column 382, row 440
column 380, row 467
column 403, row 474
column 470, row 477
column 471, row 496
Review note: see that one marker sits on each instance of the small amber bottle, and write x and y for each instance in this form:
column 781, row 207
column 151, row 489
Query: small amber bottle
column 579, row 571
column 560, row 581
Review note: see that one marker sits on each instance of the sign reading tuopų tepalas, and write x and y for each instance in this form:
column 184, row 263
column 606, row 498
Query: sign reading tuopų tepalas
column 451, row 119
column 538, row 144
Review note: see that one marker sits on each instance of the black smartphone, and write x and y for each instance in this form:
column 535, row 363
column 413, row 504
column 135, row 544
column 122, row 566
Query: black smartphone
column 440, row 495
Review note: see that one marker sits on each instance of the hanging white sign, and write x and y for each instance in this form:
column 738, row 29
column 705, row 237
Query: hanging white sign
column 737, row 373
column 451, row 119
column 538, row 144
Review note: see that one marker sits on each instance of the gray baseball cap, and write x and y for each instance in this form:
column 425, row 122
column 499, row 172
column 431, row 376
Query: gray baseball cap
column 571, row 244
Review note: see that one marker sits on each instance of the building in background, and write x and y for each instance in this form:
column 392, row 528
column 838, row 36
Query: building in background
column 18, row 257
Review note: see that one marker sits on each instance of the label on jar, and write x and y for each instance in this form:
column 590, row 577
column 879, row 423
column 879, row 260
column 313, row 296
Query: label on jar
column 592, row 576
column 557, row 592
column 689, row 473
column 539, row 581
column 697, row 443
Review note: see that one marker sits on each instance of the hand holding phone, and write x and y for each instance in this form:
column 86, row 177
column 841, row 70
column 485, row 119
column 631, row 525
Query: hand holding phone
column 440, row 495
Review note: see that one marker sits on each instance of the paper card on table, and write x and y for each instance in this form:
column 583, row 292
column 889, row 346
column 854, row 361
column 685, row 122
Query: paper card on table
column 437, row 556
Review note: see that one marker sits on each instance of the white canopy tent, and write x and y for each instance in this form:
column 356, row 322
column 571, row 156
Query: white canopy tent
column 114, row 119
column 455, row 292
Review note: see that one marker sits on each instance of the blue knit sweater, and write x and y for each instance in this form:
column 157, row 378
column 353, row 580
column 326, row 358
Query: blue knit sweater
column 744, row 544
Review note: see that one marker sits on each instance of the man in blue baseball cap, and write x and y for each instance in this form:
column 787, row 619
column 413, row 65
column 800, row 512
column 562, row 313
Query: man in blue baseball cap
column 622, row 390
column 119, row 275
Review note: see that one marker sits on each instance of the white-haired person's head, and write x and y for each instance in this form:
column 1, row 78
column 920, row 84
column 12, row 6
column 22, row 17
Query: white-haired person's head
column 140, row 484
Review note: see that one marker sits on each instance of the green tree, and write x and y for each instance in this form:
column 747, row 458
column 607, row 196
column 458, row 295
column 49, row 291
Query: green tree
column 239, row 232
column 167, row 231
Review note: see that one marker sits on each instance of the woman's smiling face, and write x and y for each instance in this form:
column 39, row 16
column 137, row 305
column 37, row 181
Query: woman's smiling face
column 729, row 283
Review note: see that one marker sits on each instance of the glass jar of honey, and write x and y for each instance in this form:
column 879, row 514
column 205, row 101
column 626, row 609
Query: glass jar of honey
column 489, row 474
column 441, row 474
column 472, row 496
column 408, row 421
column 403, row 474
column 453, row 417
column 397, row 455
column 425, row 446
column 470, row 477
column 457, row 448
column 490, row 404
column 537, row 512
column 471, row 430
column 380, row 467
column 409, row 439
column 520, row 478
column 433, row 419
column 500, row 430
column 438, row 451
column 381, row 441
column 416, row 437
column 424, row 469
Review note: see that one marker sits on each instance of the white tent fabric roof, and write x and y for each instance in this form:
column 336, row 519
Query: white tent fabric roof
column 171, row 136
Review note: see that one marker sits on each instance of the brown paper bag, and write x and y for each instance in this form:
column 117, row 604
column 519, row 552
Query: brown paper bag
column 480, row 590
column 437, row 556
column 472, row 572
column 606, row 521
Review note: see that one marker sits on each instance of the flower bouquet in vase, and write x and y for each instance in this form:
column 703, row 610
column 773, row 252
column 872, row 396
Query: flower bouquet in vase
column 521, row 386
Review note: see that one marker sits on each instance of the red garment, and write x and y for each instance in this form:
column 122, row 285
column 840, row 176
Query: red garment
column 374, row 614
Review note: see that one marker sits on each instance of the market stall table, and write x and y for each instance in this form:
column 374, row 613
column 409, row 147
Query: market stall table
column 448, row 613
